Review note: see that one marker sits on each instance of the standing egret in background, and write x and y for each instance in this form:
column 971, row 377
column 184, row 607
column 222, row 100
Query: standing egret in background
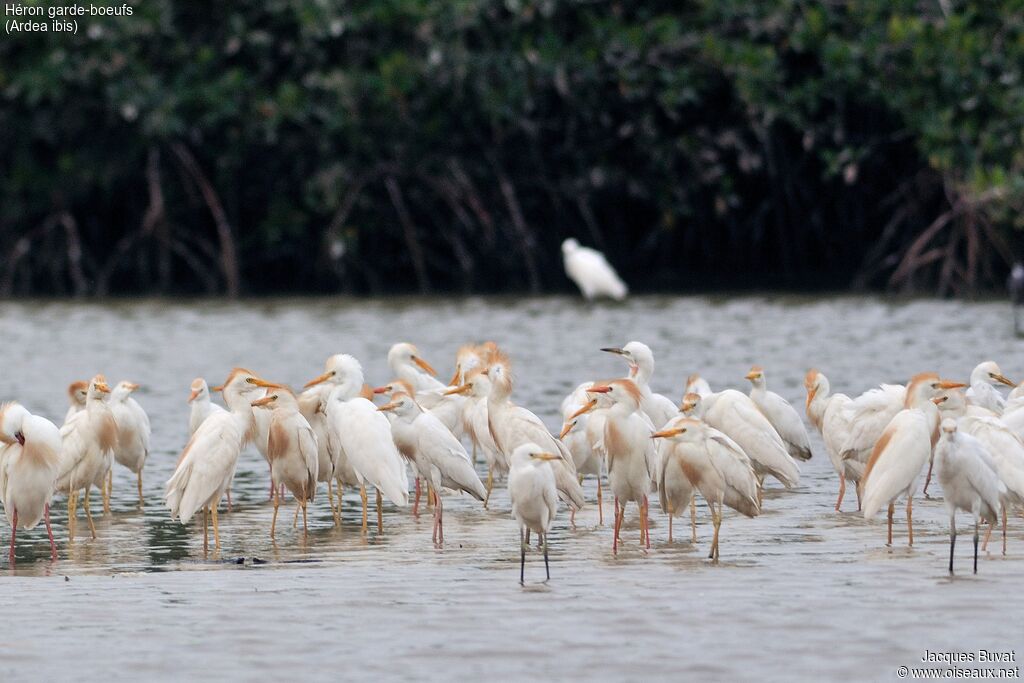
column 903, row 450
column 982, row 391
column 77, row 393
column 969, row 481
column 363, row 434
column 88, row 441
column 531, row 488
column 292, row 449
column 438, row 456
column 29, row 463
column 474, row 416
column 716, row 466
column 133, row 432
column 591, row 272
column 782, row 416
column 207, row 463
column 695, row 384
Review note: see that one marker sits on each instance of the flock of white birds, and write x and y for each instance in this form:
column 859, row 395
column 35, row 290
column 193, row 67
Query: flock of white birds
column 723, row 445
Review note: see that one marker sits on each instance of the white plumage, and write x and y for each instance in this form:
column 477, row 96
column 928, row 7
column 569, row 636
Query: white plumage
column 982, row 391
column 830, row 413
column 782, row 416
column 534, row 496
column 591, row 272
column 200, row 405
column 29, row 462
column 133, row 430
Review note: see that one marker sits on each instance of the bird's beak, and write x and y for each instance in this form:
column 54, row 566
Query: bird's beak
column 217, row 388
column 686, row 406
column 464, row 389
column 424, row 365
column 455, row 377
column 381, row 390
column 262, row 401
column 132, row 386
column 939, row 400
column 752, row 375
column 599, row 390
column 590, row 405
column 949, row 384
column 264, row 383
column 611, row 349
column 388, row 406
column 102, row 387
column 666, row 433
column 566, row 428
column 545, row 456
column 319, row 380
column 1001, row 379
column 193, row 396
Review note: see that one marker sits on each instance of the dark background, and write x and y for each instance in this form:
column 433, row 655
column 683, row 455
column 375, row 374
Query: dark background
column 279, row 146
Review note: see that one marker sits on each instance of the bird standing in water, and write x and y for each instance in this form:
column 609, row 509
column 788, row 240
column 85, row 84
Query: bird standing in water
column 531, row 487
column 591, row 272
column 29, row 463
column 133, row 432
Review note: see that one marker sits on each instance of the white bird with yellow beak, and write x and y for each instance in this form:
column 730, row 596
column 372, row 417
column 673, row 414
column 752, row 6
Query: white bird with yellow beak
column 903, row 450
column 830, row 414
column 29, row 463
column 512, row 426
column 77, row 393
column 408, row 365
column 437, row 455
column 632, row 457
column 781, row 414
column 477, row 388
column 715, row 465
column 532, row 490
column 88, row 441
column 208, row 461
column 200, row 405
column 133, row 433
column 982, row 391
column 734, row 414
column 363, row 434
column 292, row 448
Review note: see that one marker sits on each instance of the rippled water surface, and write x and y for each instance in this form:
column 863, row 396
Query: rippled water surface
column 801, row 592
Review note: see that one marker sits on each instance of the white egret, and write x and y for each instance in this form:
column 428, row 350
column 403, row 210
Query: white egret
column 133, row 433
column 591, row 272
column 77, row 392
column 632, row 457
column 641, row 367
column 292, row 448
column 969, row 481
column 88, row 441
column 734, row 414
column 438, row 456
column 477, row 388
column 870, row 414
column 363, row 435
column 982, row 391
column 1007, row 456
column 695, row 384
column 532, row 490
column 902, row 451
column 512, row 426
column 831, row 415
column 781, row 414
column 714, row 464
column 200, row 405
column 30, row 460
column 208, row 461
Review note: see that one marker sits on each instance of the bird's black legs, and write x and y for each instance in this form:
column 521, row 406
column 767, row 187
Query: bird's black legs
column 975, row 545
column 952, row 540
column 547, row 570
column 522, row 555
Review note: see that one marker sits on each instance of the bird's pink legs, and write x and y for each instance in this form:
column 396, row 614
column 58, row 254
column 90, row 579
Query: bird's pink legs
column 49, row 533
column 892, row 509
column 14, row 532
column 928, row 477
column 842, row 491
column 416, row 502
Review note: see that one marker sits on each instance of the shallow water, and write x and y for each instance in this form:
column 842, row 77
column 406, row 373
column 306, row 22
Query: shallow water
column 801, row 592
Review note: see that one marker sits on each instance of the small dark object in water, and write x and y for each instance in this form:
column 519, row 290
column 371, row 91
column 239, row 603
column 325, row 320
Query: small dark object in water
column 1016, row 286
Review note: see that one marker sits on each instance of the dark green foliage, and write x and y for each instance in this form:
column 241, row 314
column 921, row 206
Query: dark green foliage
column 395, row 145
